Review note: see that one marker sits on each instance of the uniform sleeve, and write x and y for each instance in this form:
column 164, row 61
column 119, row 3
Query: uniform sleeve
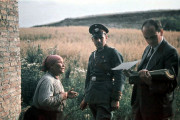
column 118, row 76
column 170, row 63
column 46, row 98
column 88, row 75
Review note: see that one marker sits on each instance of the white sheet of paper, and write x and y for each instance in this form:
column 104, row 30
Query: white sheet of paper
column 125, row 65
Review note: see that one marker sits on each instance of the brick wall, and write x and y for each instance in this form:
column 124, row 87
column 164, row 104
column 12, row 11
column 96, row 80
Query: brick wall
column 10, row 65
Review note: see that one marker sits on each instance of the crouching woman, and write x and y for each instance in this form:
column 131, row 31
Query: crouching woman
column 49, row 97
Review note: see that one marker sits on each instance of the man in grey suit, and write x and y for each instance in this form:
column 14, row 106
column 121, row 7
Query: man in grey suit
column 153, row 99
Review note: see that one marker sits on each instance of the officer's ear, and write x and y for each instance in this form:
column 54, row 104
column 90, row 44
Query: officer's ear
column 106, row 36
column 92, row 38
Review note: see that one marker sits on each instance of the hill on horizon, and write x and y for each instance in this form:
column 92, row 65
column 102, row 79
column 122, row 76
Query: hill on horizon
column 170, row 20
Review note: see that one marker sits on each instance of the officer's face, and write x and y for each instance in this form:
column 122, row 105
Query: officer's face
column 99, row 40
column 152, row 36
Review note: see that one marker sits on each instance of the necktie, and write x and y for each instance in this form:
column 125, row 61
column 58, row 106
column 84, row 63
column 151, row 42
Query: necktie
column 148, row 57
column 150, row 53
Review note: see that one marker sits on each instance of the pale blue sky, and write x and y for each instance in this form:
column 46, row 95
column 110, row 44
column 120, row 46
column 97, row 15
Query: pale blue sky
column 37, row 12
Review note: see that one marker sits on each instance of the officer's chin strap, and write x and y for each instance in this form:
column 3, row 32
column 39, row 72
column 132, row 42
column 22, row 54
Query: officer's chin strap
column 94, row 55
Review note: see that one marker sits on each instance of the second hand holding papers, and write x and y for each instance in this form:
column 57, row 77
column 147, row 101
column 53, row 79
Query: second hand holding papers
column 125, row 65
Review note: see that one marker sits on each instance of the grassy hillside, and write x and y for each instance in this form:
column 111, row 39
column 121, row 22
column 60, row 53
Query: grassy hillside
column 169, row 18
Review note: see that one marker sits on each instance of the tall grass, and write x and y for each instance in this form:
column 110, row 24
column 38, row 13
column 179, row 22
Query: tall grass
column 73, row 41
column 74, row 44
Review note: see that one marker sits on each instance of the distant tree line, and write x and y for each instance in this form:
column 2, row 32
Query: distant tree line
column 171, row 23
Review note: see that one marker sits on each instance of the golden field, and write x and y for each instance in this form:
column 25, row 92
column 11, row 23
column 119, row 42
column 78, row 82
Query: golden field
column 75, row 45
column 76, row 41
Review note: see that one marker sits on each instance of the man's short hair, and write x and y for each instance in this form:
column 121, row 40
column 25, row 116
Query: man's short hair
column 155, row 23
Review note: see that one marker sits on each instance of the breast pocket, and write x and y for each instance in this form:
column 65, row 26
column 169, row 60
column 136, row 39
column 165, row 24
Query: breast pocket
column 104, row 63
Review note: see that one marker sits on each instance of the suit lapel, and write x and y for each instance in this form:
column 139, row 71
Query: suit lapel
column 144, row 56
column 157, row 56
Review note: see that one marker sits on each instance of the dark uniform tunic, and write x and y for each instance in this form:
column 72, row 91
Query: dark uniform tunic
column 102, row 84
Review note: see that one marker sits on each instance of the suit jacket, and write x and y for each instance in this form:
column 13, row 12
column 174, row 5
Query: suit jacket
column 157, row 99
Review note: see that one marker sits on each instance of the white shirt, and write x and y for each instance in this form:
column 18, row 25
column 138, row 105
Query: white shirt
column 155, row 49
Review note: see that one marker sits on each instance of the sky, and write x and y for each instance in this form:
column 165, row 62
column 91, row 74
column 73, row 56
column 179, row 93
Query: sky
column 38, row 12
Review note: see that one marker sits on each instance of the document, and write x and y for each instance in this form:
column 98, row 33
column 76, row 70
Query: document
column 125, row 65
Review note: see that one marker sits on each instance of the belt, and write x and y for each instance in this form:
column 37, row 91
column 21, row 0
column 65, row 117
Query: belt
column 100, row 79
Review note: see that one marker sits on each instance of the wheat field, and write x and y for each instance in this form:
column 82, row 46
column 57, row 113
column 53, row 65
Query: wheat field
column 76, row 41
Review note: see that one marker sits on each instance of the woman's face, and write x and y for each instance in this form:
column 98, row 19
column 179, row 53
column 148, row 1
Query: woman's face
column 58, row 67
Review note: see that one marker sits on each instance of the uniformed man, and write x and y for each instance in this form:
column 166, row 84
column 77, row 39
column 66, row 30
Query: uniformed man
column 103, row 87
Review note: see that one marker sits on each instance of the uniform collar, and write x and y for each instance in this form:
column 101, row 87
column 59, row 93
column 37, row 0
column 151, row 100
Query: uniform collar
column 105, row 46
